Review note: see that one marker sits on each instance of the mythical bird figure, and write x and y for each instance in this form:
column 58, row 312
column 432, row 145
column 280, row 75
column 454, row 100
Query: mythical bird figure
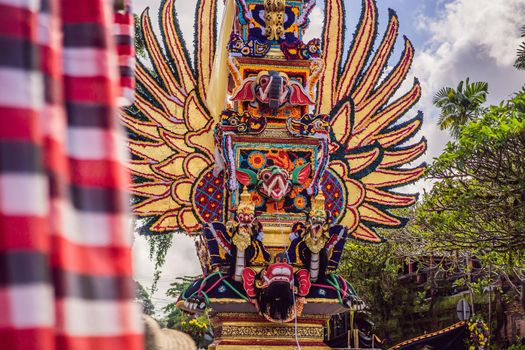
column 172, row 138
column 311, row 146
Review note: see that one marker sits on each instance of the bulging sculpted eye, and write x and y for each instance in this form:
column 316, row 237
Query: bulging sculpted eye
column 264, row 80
column 266, row 176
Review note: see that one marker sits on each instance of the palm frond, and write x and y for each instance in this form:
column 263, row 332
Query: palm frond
column 445, row 121
column 520, row 59
column 442, row 96
column 477, row 92
column 459, row 106
column 460, row 85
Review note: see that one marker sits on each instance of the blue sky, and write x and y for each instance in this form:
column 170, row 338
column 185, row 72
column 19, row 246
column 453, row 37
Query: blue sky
column 407, row 10
column 453, row 39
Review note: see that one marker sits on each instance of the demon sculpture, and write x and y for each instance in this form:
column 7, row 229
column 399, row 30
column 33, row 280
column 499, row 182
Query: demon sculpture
column 240, row 239
column 307, row 151
column 274, row 182
column 277, row 291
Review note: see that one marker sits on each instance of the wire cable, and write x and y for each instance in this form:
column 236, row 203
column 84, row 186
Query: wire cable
column 293, row 278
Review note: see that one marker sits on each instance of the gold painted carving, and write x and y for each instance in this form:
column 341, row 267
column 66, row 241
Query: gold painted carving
column 274, row 18
column 242, row 239
column 315, row 244
column 233, row 331
column 317, row 226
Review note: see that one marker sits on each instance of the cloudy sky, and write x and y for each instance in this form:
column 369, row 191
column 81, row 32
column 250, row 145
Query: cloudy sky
column 454, row 39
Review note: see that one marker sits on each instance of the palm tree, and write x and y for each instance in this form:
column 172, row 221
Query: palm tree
column 461, row 105
column 520, row 60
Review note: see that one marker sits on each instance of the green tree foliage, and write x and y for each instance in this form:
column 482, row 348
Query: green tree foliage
column 158, row 248
column 520, row 60
column 144, row 298
column 373, row 271
column 197, row 327
column 466, row 235
column 459, row 106
column 140, row 45
column 478, row 199
column 477, row 205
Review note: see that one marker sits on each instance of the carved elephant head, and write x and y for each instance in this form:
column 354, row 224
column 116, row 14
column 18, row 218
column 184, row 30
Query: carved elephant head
column 274, row 89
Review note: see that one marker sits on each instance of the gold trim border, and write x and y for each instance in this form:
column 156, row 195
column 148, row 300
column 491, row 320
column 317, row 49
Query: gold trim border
column 256, row 331
column 429, row 335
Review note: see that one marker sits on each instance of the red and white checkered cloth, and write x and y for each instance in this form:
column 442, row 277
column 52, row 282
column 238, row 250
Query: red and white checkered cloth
column 65, row 258
column 124, row 36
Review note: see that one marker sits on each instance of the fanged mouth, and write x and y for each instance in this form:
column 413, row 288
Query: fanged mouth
column 276, row 189
column 279, row 274
column 316, row 229
column 290, row 316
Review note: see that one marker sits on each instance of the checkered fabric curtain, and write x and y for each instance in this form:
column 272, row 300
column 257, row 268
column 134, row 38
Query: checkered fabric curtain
column 65, row 258
column 124, row 35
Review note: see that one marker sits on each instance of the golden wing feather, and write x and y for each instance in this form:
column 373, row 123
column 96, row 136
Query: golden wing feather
column 332, row 48
column 205, row 38
column 171, row 131
column 367, row 126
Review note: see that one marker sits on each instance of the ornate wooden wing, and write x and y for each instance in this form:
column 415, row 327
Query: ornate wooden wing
column 172, row 139
column 368, row 139
column 171, row 131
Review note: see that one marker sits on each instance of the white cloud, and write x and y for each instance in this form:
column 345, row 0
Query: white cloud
column 315, row 28
column 492, row 26
column 469, row 38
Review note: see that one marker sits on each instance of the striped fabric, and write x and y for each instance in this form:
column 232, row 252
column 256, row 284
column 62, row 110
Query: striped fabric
column 65, row 258
column 124, row 35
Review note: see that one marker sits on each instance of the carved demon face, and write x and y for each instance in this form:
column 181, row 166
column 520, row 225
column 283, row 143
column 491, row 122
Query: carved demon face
column 273, row 89
column 245, row 214
column 317, row 221
column 317, row 225
column 317, row 230
column 274, row 182
column 273, row 289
